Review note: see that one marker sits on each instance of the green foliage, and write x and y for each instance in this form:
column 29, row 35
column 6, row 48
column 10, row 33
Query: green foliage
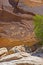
column 38, row 27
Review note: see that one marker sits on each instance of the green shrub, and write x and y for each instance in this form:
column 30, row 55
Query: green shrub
column 38, row 27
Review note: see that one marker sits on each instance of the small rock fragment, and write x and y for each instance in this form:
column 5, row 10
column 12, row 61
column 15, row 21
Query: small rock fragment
column 3, row 50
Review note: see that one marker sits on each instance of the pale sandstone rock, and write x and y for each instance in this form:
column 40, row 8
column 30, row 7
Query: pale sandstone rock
column 15, row 56
column 3, row 50
column 16, row 49
column 6, row 53
column 11, row 57
column 24, row 54
column 20, row 58
column 30, row 60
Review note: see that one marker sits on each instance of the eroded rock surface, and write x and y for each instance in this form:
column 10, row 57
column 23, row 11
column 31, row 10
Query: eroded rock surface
column 19, row 58
column 30, row 60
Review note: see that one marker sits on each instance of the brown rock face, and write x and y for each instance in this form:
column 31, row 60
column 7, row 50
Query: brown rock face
column 25, row 64
column 16, row 28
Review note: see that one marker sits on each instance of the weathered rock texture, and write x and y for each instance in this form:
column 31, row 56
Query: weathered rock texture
column 19, row 57
column 16, row 29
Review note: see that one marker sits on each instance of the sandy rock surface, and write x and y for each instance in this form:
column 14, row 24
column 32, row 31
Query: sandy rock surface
column 19, row 58
column 30, row 60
